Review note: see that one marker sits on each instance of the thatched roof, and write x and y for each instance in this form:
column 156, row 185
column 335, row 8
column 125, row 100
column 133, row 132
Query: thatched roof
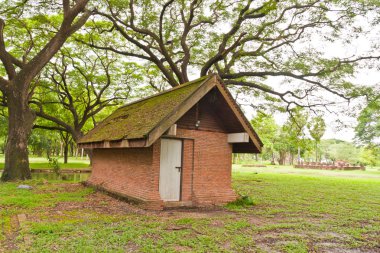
column 137, row 119
column 141, row 123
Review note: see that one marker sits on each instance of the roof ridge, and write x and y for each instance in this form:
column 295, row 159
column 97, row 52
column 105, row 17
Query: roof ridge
column 203, row 78
column 206, row 80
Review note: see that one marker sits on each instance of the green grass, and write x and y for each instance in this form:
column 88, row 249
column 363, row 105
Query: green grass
column 42, row 163
column 15, row 201
column 370, row 172
column 294, row 211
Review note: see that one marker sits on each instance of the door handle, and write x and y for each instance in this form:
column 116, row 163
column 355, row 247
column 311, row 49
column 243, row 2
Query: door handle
column 179, row 168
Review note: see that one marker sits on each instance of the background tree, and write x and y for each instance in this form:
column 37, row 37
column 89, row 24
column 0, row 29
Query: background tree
column 27, row 43
column 317, row 128
column 368, row 128
column 45, row 144
column 267, row 129
column 281, row 143
column 81, row 86
column 340, row 150
column 370, row 155
column 295, row 128
column 77, row 86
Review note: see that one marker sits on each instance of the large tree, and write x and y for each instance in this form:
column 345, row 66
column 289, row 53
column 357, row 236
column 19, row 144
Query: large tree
column 78, row 85
column 266, row 127
column 248, row 43
column 295, row 127
column 368, row 127
column 317, row 128
column 28, row 40
column 75, row 87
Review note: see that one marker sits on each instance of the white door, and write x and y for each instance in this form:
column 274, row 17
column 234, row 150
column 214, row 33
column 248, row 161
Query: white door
column 170, row 169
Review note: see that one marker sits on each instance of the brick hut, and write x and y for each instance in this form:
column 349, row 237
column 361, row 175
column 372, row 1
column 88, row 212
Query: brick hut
column 173, row 148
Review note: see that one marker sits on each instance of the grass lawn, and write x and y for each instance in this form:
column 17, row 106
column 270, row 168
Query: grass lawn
column 42, row 163
column 295, row 211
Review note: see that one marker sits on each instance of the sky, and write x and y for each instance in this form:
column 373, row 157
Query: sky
column 334, row 130
column 365, row 76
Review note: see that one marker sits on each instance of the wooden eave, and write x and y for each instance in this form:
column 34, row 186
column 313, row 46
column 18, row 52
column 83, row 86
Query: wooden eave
column 239, row 114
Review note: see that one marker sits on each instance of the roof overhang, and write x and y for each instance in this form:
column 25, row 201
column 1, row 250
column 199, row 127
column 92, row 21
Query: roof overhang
column 132, row 143
column 179, row 111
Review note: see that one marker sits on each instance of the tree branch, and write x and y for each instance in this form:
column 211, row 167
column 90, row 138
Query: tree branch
column 56, row 128
column 5, row 57
column 35, row 65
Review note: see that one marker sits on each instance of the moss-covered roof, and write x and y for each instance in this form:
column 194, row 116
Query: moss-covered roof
column 137, row 119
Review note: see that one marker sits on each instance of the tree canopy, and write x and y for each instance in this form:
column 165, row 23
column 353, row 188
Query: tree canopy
column 28, row 41
column 247, row 43
column 368, row 128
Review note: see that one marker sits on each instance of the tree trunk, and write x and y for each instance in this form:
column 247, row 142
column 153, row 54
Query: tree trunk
column 65, row 137
column 65, row 153
column 61, row 148
column 76, row 136
column 272, row 161
column 316, row 151
column 20, row 124
column 299, row 155
column 282, row 158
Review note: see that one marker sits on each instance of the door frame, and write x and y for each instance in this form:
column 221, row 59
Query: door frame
column 181, row 173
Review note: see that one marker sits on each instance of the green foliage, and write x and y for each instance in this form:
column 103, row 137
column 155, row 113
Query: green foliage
column 340, row 150
column 368, row 128
column 43, row 143
column 54, row 164
column 370, row 155
column 280, row 141
column 266, row 128
column 240, row 202
column 317, row 128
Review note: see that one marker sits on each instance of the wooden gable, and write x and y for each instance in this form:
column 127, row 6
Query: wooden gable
column 212, row 113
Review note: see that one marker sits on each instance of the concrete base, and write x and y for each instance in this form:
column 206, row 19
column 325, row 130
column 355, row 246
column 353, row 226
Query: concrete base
column 177, row 204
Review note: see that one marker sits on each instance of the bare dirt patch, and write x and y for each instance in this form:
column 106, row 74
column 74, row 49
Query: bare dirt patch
column 11, row 234
column 196, row 213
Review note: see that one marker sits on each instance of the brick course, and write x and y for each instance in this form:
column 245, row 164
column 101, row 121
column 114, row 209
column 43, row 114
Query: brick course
column 127, row 172
column 212, row 167
column 134, row 172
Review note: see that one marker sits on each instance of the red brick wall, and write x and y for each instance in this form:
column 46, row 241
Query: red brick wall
column 212, row 167
column 187, row 169
column 134, row 172
column 131, row 172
